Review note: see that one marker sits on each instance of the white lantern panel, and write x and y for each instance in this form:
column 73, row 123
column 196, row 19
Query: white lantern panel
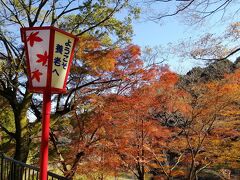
column 38, row 51
column 63, row 46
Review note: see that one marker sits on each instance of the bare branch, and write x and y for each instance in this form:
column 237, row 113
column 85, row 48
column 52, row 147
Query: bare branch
column 218, row 59
column 176, row 12
column 65, row 11
column 41, row 5
column 12, row 13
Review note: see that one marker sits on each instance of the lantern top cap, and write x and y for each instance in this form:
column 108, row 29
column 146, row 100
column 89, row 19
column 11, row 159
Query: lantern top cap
column 50, row 28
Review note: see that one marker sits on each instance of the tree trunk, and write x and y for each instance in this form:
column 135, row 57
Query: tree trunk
column 22, row 135
column 70, row 174
column 191, row 175
column 140, row 171
column 22, row 147
column 141, row 176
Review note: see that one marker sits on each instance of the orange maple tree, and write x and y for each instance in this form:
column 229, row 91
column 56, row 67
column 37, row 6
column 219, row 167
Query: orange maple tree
column 91, row 118
column 209, row 127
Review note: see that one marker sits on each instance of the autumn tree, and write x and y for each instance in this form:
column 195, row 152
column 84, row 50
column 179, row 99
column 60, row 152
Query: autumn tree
column 225, row 133
column 170, row 111
column 124, row 127
column 197, row 114
column 208, row 102
column 139, row 134
column 130, row 132
column 85, row 128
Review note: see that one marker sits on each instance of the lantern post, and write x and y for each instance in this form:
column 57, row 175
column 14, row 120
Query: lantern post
column 46, row 111
column 49, row 52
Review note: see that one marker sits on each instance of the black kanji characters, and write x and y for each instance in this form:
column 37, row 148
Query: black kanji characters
column 59, row 49
column 62, row 60
column 57, row 61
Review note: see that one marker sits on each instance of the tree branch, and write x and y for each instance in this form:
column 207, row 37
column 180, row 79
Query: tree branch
column 175, row 13
column 12, row 13
column 11, row 134
column 65, row 11
column 54, row 140
column 41, row 5
column 218, row 59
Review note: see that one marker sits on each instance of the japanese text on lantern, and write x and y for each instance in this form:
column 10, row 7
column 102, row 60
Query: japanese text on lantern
column 63, row 45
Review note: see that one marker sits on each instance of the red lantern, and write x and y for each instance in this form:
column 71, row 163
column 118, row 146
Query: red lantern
column 49, row 53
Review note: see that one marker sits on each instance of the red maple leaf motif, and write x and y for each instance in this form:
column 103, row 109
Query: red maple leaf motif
column 33, row 38
column 42, row 58
column 36, row 75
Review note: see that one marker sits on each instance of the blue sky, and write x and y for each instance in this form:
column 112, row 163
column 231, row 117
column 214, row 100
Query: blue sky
column 173, row 30
column 153, row 34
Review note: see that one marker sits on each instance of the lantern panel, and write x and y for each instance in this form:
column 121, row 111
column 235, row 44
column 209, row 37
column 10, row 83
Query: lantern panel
column 38, row 56
column 63, row 46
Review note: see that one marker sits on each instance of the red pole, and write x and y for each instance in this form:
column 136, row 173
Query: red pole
column 46, row 111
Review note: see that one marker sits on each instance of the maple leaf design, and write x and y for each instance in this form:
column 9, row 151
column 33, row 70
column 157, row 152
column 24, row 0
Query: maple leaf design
column 32, row 38
column 42, row 58
column 36, row 75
